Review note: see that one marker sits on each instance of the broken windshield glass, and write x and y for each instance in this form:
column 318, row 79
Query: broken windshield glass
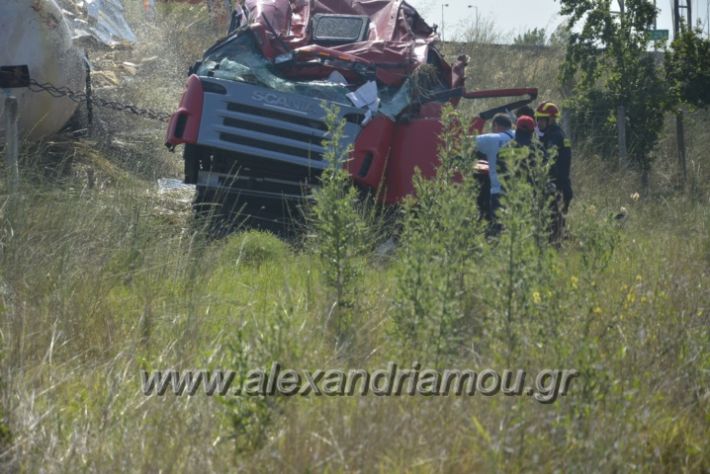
column 240, row 59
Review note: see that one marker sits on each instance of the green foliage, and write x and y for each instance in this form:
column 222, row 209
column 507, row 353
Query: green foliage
column 455, row 288
column 688, row 68
column 521, row 261
column 338, row 229
column 440, row 235
column 609, row 59
column 560, row 37
column 534, row 37
column 616, row 304
column 250, row 417
column 5, row 434
column 626, row 306
column 253, row 248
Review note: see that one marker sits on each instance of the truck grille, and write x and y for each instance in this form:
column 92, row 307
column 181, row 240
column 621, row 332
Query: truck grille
column 272, row 125
column 259, row 123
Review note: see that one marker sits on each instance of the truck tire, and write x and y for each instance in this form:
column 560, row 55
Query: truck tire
column 205, row 204
column 192, row 156
column 208, row 212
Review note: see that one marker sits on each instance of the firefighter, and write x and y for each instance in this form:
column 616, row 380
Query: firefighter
column 528, row 148
column 558, row 147
column 544, row 190
column 524, row 130
column 525, row 139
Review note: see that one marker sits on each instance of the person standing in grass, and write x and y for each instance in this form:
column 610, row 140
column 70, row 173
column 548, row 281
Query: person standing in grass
column 545, row 192
column 526, row 147
column 488, row 146
column 558, row 147
column 525, row 136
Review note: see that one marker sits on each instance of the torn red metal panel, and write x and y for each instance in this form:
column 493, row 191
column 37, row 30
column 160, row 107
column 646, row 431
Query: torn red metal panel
column 399, row 40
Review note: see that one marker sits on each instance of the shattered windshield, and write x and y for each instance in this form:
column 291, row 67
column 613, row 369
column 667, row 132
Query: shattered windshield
column 240, row 59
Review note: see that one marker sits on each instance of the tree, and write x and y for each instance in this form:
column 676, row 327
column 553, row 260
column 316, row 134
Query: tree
column 688, row 69
column 560, row 37
column 534, row 37
column 610, row 62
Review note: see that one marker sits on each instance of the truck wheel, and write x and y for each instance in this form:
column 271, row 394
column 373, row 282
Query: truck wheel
column 192, row 157
column 208, row 212
column 206, row 204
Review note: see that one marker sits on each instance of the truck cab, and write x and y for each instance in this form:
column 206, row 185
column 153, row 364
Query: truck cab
column 253, row 116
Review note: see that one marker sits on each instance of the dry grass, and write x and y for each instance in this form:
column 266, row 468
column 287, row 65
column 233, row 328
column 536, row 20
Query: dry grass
column 98, row 283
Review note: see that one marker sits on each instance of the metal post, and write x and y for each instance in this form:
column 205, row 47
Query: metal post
column 621, row 110
column 474, row 6
column 11, row 143
column 443, row 5
column 655, row 25
column 690, row 14
column 680, row 125
column 621, row 127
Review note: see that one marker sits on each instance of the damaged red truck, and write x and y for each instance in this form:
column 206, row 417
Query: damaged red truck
column 252, row 118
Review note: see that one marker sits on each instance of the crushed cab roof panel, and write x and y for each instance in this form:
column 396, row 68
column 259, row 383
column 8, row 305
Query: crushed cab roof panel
column 398, row 36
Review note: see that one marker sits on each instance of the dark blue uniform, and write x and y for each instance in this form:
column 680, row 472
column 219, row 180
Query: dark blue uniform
column 554, row 139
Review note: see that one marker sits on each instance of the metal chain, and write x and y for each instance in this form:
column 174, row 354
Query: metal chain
column 81, row 97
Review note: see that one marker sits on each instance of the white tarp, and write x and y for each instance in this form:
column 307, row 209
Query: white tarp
column 97, row 21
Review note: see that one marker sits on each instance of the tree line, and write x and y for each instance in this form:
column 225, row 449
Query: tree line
column 614, row 70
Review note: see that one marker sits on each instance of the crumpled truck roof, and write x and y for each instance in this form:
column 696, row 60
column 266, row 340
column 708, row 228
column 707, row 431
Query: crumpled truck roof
column 398, row 41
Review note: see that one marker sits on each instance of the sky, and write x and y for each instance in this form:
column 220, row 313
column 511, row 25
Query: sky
column 516, row 16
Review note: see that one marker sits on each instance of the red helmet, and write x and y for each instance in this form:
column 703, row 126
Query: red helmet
column 547, row 110
column 525, row 124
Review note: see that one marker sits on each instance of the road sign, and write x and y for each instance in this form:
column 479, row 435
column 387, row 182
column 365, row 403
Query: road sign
column 660, row 35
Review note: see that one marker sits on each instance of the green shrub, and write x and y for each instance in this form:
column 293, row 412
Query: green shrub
column 339, row 231
column 441, row 235
column 253, row 248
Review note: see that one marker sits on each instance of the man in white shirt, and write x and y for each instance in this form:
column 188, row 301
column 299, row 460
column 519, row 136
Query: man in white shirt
column 489, row 145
